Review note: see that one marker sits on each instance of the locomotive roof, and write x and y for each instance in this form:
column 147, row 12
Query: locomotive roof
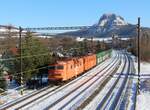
column 64, row 60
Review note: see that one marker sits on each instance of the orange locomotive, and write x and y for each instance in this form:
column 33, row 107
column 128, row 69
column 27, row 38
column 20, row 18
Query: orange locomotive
column 66, row 69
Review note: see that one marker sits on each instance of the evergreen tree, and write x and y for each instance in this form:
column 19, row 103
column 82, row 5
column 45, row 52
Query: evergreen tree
column 144, row 46
column 2, row 80
column 34, row 56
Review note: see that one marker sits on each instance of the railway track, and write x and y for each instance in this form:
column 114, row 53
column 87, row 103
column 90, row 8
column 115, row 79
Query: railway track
column 39, row 94
column 131, row 92
column 128, row 95
column 123, row 95
column 76, row 101
column 56, row 97
column 102, row 95
column 114, row 94
column 98, row 88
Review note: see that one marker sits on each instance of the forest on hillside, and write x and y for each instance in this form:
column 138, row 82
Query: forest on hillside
column 144, row 46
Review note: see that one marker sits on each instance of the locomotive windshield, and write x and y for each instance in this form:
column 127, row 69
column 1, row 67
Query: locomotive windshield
column 56, row 67
column 60, row 67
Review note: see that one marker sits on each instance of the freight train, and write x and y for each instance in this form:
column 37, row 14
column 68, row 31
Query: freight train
column 67, row 69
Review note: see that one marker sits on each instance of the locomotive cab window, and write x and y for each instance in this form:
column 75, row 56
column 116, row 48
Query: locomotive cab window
column 60, row 67
column 56, row 67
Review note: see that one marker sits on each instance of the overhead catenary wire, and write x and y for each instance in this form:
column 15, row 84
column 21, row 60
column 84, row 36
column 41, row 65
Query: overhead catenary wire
column 37, row 55
column 5, row 46
column 29, row 56
column 31, row 70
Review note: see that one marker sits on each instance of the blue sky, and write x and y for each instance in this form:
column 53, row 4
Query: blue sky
column 33, row 13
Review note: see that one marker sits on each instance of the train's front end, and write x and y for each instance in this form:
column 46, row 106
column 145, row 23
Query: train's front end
column 55, row 72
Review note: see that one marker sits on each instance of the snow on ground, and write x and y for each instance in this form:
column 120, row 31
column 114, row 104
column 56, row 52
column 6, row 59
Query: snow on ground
column 145, row 68
column 12, row 93
column 94, row 39
column 143, row 100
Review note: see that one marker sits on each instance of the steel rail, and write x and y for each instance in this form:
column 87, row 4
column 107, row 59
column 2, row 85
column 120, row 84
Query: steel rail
column 101, row 104
column 119, row 92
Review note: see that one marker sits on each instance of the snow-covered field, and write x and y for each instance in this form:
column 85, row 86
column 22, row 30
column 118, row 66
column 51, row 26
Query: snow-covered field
column 143, row 99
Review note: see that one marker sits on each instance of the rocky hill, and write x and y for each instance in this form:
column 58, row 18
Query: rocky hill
column 107, row 26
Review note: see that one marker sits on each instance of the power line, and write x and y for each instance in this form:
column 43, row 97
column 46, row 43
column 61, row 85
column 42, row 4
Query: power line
column 37, row 55
column 31, row 70
column 29, row 56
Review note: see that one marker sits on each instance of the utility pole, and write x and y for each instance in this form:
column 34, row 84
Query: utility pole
column 138, row 29
column 20, row 48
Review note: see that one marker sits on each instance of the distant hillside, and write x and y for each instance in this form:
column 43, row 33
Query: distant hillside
column 108, row 25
